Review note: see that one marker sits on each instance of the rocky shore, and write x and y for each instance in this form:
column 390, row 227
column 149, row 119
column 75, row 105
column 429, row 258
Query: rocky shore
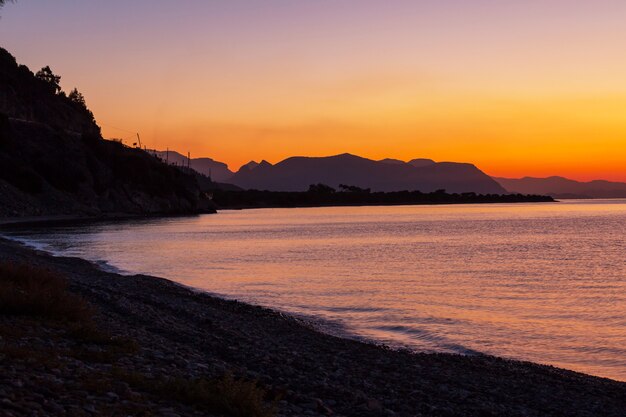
column 157, row 346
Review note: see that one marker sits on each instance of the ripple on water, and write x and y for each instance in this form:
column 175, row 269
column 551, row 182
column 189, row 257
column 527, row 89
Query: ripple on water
column 538, row 282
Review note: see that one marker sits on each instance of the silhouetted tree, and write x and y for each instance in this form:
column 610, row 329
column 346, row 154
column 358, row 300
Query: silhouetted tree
column 321, row 188
column 46, row 74
column 77, row 97
column 354, row 189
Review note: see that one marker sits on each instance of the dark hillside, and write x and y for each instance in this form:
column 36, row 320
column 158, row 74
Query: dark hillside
column 53, row 159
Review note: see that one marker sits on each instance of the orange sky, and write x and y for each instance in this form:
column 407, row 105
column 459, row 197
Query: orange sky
column 516, row 87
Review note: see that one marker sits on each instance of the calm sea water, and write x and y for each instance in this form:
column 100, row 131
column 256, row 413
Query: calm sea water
column 538, row 282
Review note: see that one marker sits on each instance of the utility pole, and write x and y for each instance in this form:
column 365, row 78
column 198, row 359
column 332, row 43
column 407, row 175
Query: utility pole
column 188, row 159
column 167, row 156
column 139, row 140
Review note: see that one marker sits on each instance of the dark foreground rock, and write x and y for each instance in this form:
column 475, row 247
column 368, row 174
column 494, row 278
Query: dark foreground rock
column 163, row 330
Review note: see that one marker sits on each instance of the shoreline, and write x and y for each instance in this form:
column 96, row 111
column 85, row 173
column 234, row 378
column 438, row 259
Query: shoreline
column 42, row 220
column 318, row 324
column 182, row 331
column 243, row 207
column 58, row 220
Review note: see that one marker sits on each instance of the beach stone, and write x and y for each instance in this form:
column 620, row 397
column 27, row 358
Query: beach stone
column 323, row 408
column 309, row 372
column 373, row 405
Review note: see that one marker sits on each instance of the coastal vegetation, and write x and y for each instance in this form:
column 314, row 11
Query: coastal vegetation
column 324, row 195
column 28, row 291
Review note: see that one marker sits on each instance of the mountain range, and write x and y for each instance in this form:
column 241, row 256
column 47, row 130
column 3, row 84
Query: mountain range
column 559, row 187
column 217, row 171
column 297, row 173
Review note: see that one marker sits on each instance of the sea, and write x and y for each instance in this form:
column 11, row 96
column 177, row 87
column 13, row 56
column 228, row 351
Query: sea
column 541, row 282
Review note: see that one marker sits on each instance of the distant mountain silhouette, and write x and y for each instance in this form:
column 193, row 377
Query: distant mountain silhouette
column 218, row 171
column 421, row 162
column 297, row 173
column 249, row 165
column 392, row 161
column 560, row 187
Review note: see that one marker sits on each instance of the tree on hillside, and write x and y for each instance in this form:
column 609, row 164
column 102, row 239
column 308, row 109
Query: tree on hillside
column 46, row 74
column 354, row 189
column 321, row 188
column 77, row 97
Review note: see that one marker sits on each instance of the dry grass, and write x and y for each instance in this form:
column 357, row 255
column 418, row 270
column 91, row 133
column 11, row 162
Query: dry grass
column 48, row 358
column 29, row 294
column 31, row 291
column 88, row 332
column 227, row 395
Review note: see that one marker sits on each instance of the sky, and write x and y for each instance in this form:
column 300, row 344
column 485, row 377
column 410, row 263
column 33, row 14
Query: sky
column 519, row 88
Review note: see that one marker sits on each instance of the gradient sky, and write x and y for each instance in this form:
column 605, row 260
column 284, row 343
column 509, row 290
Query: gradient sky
column 532, row 87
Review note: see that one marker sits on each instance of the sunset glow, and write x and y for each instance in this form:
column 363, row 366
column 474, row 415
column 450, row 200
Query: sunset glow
column 519, row 88
column 313, row 207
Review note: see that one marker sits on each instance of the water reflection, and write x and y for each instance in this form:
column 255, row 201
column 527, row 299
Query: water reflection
column 541, row 282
